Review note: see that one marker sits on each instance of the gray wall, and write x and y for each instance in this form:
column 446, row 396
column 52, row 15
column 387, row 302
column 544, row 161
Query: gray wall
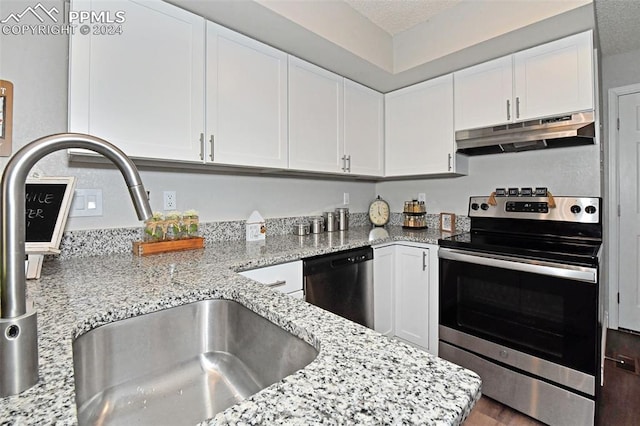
column 620, row 70
column 38, row 67
column 617, row 71
column 565, row 171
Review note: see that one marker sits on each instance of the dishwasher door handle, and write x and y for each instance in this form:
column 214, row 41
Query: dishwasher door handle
column 351, row 260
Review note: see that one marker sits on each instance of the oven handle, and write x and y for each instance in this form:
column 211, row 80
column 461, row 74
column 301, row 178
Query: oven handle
column 558, row 270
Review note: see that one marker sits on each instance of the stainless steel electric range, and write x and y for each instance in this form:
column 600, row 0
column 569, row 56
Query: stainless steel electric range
column 519, row 301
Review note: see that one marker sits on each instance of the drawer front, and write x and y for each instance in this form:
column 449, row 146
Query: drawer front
column 286, row 277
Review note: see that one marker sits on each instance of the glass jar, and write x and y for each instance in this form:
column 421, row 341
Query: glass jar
column 154, row 228
column 190, row 224
column 173, row 228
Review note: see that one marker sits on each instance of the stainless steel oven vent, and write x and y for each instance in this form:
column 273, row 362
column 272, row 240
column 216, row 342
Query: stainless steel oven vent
column 554, row 132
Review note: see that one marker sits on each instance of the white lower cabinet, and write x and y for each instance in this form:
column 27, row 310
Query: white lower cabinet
column 406, row 293
column 285, row 277
column 384, row 258
column 412, row 295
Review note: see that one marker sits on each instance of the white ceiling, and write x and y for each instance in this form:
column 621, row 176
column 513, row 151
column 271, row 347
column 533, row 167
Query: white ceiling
column 396, row 16
column 618, row 21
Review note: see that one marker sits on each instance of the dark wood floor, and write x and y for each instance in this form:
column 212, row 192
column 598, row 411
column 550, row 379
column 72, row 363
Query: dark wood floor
column 488, row 412
column 618, row 402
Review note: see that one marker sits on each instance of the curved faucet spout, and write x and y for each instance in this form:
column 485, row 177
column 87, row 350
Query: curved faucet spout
column 12, row 210
column 14, row 377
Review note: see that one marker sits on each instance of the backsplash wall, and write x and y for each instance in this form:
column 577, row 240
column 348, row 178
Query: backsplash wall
column 100, row 242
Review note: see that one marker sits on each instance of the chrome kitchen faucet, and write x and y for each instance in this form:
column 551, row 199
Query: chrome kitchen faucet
column 18, row 325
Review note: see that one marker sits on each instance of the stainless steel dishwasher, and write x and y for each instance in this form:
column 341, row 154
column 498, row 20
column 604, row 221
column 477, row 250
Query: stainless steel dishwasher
column 342, row 283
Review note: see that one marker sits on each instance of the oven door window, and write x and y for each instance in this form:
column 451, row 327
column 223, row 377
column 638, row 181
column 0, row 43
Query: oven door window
column 548, row 317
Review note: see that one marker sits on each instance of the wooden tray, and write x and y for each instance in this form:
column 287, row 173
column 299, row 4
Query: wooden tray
column 141, row 248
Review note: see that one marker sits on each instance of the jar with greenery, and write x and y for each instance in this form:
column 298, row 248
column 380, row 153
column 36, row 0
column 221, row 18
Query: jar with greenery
column 191, row 224
column 154, row 228
column 174, row 231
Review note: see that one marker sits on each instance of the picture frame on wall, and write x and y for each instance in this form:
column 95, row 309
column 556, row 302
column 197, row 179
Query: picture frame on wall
column 447, row 222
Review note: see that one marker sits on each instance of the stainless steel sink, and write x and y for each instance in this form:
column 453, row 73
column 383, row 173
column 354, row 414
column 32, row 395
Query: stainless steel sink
column 181, row 365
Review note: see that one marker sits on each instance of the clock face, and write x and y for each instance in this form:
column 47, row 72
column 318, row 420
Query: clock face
column 379, row 212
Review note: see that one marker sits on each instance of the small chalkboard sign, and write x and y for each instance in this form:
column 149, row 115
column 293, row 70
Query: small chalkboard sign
column 48, row 200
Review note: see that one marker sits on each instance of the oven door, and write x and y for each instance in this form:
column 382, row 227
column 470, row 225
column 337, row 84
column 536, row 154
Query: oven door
column 544, row 309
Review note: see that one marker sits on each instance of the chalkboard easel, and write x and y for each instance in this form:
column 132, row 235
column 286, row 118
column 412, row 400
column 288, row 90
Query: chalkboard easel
column 47, row 204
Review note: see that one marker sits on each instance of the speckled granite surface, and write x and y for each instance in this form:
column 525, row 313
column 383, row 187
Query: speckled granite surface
column 359, row 376
column 100, row 242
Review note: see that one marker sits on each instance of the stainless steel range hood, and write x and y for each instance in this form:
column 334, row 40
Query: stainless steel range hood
column 554, row 132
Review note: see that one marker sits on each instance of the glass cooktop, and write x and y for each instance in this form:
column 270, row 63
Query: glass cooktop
column 562, row 250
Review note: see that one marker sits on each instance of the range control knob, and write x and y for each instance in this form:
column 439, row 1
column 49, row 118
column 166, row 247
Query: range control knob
column 475, row 206
column 484, row 206
column 590, row 209
column 575, row 209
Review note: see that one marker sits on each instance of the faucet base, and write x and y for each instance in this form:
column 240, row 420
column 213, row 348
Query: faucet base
column 18, row 353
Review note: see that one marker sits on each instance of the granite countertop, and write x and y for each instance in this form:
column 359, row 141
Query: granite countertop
column 358, row 377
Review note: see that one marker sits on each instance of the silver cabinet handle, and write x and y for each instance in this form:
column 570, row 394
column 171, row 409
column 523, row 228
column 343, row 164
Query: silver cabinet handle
column 202, row 146
column 550, row 269
column 344, row 163
column 276, row 284
column 449, row 162
column 349, row 166
column 517, row 107
column 508, row 110
column 211, row 153
column 424, row 260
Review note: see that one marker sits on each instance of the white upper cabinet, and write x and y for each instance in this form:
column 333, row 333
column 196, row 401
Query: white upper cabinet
column 316, row 114
column 555, row 78
column 482, row 94
column 547, row 80
column 246, row 103
column 363, row 130
column 143, row 89
column 419, row 133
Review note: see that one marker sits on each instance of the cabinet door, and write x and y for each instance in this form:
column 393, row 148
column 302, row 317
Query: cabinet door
column 316, row 133
column 419, row 129
column 286, row 277
column 384, row 288
column 246, row 100
column 482, row 94
column 412, row 295
column 363, row 129
column 555, row 78
column 142, row 90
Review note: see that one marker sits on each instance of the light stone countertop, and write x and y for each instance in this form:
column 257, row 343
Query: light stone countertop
column 359, row 376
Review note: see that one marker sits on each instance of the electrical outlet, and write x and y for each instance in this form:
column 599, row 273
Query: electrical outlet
column 422, row 197
column 170, row 201
column 345, row 198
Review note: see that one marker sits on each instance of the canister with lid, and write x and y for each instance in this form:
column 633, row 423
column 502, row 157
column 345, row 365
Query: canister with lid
column 331, row 221
column 343, row 218
column 301, row 228
column 317, row 224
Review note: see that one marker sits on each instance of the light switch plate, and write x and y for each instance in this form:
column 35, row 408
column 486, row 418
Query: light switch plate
column 86, row 202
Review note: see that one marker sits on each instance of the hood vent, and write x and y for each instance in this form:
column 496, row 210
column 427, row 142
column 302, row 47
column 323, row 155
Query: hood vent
column 554, row 132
